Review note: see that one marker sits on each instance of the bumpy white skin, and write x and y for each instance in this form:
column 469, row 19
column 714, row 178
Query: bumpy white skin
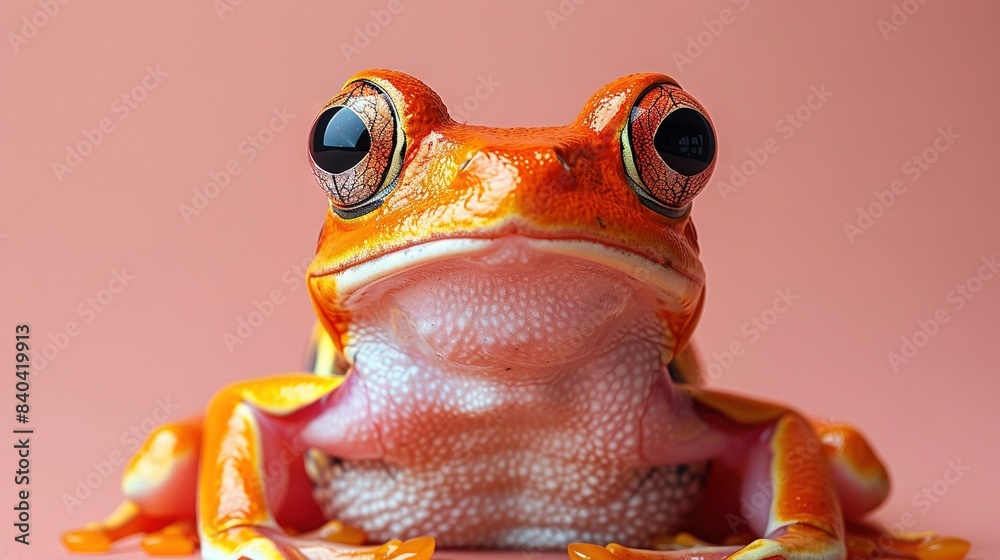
column 508, row 397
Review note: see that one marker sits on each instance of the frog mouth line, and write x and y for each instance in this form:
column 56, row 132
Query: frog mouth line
column 678, row 290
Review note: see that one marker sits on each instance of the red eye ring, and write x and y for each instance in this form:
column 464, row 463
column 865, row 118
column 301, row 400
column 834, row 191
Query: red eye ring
column 356, row 147
column 668, row 148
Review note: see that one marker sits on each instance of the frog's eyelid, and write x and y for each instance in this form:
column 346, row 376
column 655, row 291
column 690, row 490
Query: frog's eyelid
column 364, row 208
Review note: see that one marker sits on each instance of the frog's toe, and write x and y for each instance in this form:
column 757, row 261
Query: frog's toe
column 88, row 539
column 943, row 548
column 587, row 551
column 262, row 548
column 179, row 538
column 127, row 519
column 794, row 542
column 268, row 544
column 335, row 531
column 869, row 541
column 420, row 548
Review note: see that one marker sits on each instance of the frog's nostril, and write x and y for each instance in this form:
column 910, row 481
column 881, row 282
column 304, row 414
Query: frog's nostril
column 565, row 177
column 563, row 162
column 467, row 161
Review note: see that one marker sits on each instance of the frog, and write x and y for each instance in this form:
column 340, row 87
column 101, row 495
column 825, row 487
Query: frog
column 503, row 359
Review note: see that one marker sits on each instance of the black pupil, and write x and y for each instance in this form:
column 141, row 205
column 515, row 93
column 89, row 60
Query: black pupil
column 340, row 140
column 685, row 141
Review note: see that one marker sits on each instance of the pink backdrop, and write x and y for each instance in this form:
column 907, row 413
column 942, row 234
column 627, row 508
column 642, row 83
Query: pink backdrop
column 823, row 107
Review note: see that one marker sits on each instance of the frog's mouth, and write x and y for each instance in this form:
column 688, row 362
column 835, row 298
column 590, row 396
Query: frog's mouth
column 516, row 299
column 679, row 290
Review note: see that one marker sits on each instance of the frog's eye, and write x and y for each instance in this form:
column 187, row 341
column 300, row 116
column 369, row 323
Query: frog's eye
column 356, row 146
column 668, row 148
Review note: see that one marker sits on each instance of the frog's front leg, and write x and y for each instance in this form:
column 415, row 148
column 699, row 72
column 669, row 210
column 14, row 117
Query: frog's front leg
column 778, row 457
column 251, row 470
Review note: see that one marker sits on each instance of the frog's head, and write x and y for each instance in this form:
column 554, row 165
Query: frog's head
column 489, row 246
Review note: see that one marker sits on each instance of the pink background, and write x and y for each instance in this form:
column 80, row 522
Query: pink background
column 162, row 336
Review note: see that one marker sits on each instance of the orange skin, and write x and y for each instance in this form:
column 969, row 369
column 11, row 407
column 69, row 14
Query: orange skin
column 457, row 181
column 435, row 200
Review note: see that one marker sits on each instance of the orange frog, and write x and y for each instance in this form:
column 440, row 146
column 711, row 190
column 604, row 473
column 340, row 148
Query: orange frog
column 502, row 361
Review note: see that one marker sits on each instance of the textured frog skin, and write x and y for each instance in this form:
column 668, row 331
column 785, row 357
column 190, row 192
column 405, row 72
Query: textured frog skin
column 502, row 360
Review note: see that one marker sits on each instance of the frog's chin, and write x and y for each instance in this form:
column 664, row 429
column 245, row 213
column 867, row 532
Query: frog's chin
column 514, row 300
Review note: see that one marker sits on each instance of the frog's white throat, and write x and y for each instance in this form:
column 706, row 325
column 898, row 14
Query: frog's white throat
column 496, row 385
column 513, row 306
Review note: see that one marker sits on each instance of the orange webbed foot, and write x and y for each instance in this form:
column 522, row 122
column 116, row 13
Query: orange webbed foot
column 795, row 542
column 176, row 539
column 129, row 519
column 588, row 551
column 262, row 543
column 868, row 541
column 337, row 532
column 88, row 539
